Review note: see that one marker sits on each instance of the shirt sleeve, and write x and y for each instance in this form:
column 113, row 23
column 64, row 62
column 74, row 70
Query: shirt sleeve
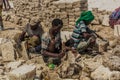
column 40, row 30
column 44, row 43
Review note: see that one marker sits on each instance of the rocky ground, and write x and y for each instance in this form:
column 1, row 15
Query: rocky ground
column 105, row 66
column 88, row 66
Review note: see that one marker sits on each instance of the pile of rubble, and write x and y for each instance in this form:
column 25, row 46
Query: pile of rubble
column 85, row 67
column 101, row 17
column 47, row 10
column 66, row 10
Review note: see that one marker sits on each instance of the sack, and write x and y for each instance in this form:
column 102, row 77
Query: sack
column 85, row 44
column 82, row 46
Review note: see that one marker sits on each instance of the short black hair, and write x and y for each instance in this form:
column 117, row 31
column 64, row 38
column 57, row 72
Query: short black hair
column 57, row 22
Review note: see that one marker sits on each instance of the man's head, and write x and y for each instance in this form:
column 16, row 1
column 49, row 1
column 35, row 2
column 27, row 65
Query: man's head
column 34, row 22
column 86, row 16
column 57, row 24
column 87, row 22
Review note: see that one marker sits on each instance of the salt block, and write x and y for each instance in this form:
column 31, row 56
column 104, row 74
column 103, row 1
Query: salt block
column 117, row 30
column 24, row 52
column 7, row 51
column 25, row 72
column 105, row 20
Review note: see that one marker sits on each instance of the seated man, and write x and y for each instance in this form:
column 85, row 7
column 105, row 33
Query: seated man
column 51, row 43
column 82, row 36
column 32, row 33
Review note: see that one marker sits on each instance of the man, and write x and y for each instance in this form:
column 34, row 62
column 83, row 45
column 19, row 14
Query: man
column 114, row 18
column 82, row 36
column 51, row 43
column 32, row 33
column 1, row 7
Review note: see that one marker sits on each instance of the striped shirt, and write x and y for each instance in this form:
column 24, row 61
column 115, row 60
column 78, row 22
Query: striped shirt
column 77, row 35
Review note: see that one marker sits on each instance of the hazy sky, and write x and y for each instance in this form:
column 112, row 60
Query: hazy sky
column 109, row 5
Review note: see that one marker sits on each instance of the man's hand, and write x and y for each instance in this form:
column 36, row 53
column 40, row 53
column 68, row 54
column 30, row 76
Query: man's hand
column 86, row 35
column 74, row 51
column 92, row 39
column 68, row 48
column 62, row 54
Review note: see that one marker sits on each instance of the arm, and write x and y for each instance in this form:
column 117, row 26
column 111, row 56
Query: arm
column 46, row 53
column 86, row 35
column 55, row 55
column 60, row 47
